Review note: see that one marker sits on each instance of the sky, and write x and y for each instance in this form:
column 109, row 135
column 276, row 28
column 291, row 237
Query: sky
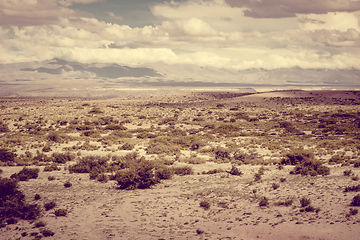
column 68, row 45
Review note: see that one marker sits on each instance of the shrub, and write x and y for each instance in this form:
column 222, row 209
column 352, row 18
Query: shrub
column 264, row 202
column 63, row 157
column 88, row 163
column 182, row 170
column 352, row 189
column 127, row 146
column 54, row 136
column 47, row 232
column 222, row 154
column 305, row 201
column 296, row 157
column 52, row 167
column 12, row 220
column 95, row 110
column 353, row 211
column 50, row 178
column 347, row 172
column 275, row 186
column 137, row 176
column 6, row 156
column 355, row 201
column 164, row 172
column 25, row 174
column 285, row 203
column 39, row 224
column 37, row 197
column 102, row 177
column 311, row 167
column 115, row 127
column 12, row 202
column 60, row 212
column 205, row 205
column 47, row 148
column 49, row 205
column 235, row 171
column 257, row 176
column 67, row 184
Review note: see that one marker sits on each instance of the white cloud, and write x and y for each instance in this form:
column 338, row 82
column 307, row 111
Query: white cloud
column 37, row 12
column 285, row 8
column 192, row 26
column 341, row 21
column 112, row 15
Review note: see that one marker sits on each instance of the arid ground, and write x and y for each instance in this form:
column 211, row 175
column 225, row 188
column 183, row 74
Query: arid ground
column 209, row 165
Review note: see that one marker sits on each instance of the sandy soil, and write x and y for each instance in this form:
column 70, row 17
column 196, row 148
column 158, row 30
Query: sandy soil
column 171, row 209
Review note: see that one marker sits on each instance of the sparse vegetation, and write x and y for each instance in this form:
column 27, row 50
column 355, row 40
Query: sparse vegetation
column 355, row 201
column 13, row 205
column 26, row 174
column 205, row 205
column 60, row 212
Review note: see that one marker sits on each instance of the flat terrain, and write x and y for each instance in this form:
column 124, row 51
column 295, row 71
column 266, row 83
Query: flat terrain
column 210, row 133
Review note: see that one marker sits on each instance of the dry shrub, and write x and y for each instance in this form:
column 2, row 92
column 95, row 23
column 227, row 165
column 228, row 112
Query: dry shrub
column 305, row 163
column 26, row 174
column 182, row 170
column 12, row 202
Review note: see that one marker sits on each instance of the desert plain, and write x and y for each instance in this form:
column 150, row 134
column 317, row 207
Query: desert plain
column 202, row 165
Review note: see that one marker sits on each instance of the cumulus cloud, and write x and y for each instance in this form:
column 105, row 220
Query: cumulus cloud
column 285, row 8
column 219, row 15
column 112, row 15
column 37, row 12
column 341, row 21
column 192, row 26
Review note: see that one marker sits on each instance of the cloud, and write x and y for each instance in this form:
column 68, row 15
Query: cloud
column 112, row 15
column 285, row 8
column 192, row 26
column 341, row 21
column 38, row 12
column 219, row 15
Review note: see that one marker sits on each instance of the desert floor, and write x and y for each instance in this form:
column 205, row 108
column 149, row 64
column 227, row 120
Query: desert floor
column 209, row 133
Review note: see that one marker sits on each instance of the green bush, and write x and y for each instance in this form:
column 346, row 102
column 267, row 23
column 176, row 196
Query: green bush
column 355, row 201
column 305, row 163
column 222, row 154
column 54, row 137
column 39, row 224
column 205, row 205
column 353, row 211
column 127, row 146
column 26, row 174
column 264, row 202
column 12, row 202
column 67, row 184
column 352, row 189
column 50, row 178
column 88, row 163
column 52, row 167
column 213, row 171
column 6, row 156
column 235, row 171
column 182, row 170
column 304, row 201
column 60, row 212
column 297, row 156
column 285, row 203
column 102, row 177
column 63, row 157
column 47, row 232
column 49, row 205
column 163, row 172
